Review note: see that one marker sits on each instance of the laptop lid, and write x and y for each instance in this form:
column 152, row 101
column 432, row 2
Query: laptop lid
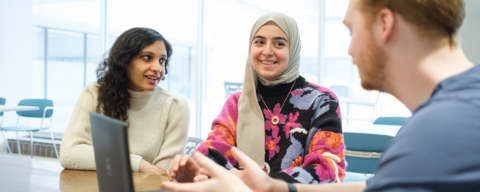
column 112, row 159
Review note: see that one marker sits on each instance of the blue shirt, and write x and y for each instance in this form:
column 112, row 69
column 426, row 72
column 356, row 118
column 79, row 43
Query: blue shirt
column 438, row 148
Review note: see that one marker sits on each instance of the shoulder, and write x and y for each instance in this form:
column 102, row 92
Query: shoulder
column 443, row 116
column 92, row 88
column 322, row 90
column 445, row 133
column 233, row 98
column 166, row 98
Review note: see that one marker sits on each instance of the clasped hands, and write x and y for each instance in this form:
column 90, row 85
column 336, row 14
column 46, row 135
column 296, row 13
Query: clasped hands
column 193, row 175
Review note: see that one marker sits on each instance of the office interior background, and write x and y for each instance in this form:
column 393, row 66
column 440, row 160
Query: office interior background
column 51, row 49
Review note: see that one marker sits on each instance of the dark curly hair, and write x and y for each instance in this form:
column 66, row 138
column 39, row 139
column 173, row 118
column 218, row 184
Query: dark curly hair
column 113, row 95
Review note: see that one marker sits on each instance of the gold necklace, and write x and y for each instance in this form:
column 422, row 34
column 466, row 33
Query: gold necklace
column 275, row 119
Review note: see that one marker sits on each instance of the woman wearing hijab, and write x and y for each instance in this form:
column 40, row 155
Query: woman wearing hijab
column 291, row 128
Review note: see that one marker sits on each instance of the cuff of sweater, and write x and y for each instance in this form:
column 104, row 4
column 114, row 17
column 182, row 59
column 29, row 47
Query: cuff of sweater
column 135, row 161
column 164, row 164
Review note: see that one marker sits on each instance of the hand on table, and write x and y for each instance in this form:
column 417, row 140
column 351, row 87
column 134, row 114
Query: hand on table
column 146, row 167
column 221, row 179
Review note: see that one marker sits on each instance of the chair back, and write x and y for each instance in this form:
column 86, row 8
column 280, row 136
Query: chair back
column 364, row 151
column 192, row 145
column 231, row 87
column 40, row 103
column 390, row 121
column 2, row 102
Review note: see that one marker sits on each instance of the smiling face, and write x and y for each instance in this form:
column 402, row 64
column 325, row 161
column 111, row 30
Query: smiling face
column 147, row 69
column 367, row 54
column 270, row 51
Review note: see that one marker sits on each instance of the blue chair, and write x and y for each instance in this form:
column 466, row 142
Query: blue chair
column 2, row 102
column 364, row 151
column 390, row 121
column 45, row 110
column 231, row 87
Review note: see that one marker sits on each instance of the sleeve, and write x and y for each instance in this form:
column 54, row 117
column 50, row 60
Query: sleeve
column 324, row 159
column 176, row 133
column 223, row 134
column 76, row 151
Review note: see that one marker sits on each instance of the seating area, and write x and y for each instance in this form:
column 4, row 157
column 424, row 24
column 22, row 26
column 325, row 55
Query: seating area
column 30, row 108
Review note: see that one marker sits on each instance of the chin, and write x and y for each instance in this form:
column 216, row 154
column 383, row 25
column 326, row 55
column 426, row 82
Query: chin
column 267, row 75
column 150, row 88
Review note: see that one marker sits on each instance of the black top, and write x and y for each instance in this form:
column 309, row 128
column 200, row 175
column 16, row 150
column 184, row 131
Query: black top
column 280, row 89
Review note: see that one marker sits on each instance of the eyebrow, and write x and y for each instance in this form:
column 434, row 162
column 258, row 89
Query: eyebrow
column 276, row 38
column 151, row 53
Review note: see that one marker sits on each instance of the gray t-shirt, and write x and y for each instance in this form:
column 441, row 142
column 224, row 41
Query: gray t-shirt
column 438, row 148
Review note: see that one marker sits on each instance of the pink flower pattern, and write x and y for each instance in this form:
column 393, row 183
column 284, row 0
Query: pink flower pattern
column 291, row 123
column 268, row 123
column 272, row 145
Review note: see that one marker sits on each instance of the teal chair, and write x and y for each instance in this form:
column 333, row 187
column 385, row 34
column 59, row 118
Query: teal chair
column 2, row 102
column 45, row 110
column 363, row 152
column 390, row 121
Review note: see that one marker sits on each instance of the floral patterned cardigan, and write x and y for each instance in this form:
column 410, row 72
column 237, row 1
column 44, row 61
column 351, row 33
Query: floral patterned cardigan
column 306, row 146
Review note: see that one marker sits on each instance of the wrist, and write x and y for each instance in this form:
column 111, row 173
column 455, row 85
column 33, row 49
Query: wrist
column 275, row 185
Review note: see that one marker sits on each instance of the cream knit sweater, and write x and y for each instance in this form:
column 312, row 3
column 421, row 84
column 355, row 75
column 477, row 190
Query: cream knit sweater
column 158, row 129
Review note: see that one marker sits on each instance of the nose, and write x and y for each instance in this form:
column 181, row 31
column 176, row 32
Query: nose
column 268, row 49
column 156, row 67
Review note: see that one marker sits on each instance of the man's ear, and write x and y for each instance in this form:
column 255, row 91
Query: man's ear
column 387, row 20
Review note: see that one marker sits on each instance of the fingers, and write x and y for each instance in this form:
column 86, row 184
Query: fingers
column 172, row 170
column 203, row 171
column 184, row 160
column 243, row 159
column 200, row 178
column 190, row 163
column 213, row 169
column 161, row 171
column 177, row 187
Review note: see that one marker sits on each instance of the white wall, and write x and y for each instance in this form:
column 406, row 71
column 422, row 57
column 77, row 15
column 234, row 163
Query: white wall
column 470, row 31
column 15, row 54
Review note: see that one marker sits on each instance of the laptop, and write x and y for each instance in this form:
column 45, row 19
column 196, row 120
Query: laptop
column 112, row 156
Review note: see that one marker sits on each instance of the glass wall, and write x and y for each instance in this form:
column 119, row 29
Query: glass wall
column 66, row 50
column 65, row 39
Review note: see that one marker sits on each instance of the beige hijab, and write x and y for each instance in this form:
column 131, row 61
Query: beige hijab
column 250, row 124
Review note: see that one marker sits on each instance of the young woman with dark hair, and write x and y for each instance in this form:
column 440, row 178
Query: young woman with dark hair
column 127, row 90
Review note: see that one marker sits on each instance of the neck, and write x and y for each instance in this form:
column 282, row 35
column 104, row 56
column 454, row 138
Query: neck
column 414, row 73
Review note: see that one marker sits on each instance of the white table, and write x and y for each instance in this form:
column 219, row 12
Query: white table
column 372, row 129
column 4, row 108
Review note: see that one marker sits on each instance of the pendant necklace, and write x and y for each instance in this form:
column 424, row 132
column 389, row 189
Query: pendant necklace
column 275, row 119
